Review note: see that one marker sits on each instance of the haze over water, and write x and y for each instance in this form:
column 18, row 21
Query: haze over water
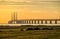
column 29, row 9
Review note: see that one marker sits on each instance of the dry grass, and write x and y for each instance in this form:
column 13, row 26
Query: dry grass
column 30, row 34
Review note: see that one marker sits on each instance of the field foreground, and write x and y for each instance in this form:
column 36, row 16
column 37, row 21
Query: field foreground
column 29, row 34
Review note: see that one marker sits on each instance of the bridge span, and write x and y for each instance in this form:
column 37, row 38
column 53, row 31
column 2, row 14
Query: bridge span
column 35, row 21
column 14, row 20
column 29, row 24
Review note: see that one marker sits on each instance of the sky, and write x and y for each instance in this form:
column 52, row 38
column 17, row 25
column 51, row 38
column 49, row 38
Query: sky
column 29, row 9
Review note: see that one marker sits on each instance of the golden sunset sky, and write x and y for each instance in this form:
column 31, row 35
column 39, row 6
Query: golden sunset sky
column 29, row 9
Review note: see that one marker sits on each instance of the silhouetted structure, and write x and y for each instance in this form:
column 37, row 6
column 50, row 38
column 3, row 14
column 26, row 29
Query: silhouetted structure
column 14, row 20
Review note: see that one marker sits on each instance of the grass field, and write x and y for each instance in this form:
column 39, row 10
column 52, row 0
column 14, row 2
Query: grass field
column 30, row 34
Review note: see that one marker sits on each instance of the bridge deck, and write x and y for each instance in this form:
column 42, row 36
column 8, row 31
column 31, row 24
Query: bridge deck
column 29, row 24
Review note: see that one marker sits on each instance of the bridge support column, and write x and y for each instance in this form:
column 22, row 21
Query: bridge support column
column 31, row 21
column 55, row 21
column 21, row 21
column 50, row 21
column 38, row 22
column 45, row 21
column 26, row 22
column 41, row 21
column 35, row 22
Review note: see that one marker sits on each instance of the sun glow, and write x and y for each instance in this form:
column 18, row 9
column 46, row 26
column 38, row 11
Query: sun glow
column 31, row 10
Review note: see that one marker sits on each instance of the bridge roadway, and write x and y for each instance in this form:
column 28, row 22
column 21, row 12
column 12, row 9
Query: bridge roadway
column 29, row 24
column 35, row 21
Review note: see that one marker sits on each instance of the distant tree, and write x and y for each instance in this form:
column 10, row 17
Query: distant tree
column 36, row 28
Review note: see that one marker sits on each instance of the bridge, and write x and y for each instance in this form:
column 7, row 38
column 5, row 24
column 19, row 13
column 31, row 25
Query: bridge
column 14, row 20
column 35, row 21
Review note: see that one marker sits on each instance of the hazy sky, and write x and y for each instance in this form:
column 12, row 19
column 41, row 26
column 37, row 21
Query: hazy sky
column 29, row 9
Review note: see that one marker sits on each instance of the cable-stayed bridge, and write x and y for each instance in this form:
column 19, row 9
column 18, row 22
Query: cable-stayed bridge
column 29, row 24
column 35, row 21
column 26, row 24
column 15, row 21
